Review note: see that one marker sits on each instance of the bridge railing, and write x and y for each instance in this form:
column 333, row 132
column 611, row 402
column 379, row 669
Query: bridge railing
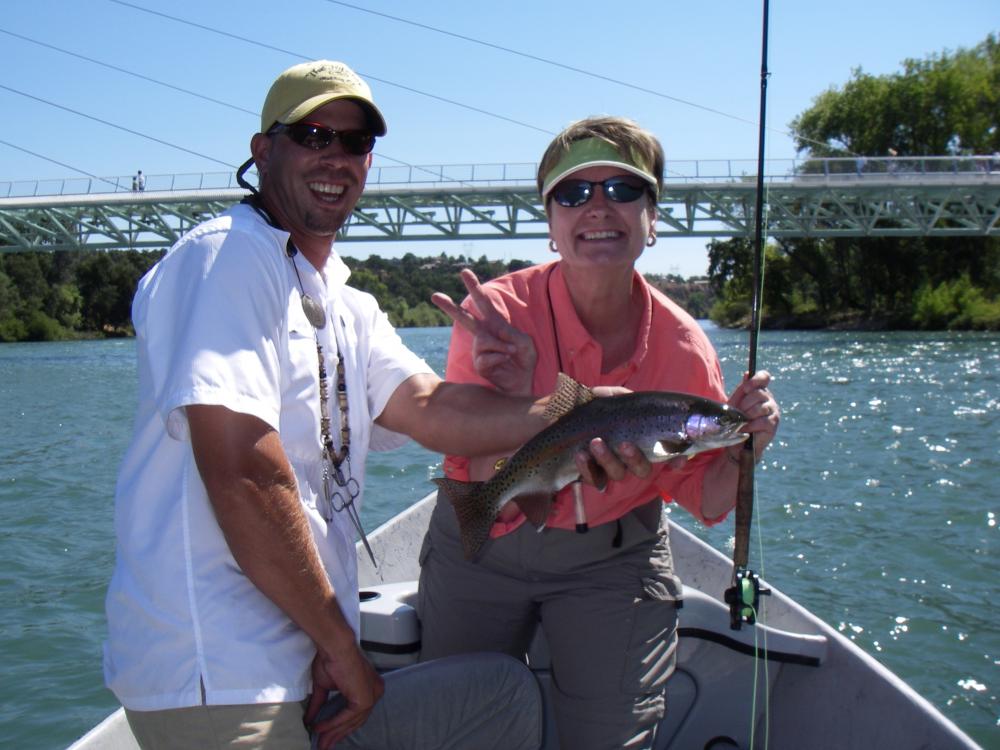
column 776, row 171
column 102, row 185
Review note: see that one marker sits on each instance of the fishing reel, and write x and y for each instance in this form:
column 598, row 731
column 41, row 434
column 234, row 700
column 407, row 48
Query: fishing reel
column 743, row 598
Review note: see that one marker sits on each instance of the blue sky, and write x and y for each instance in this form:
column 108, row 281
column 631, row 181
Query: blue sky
column 502, row 108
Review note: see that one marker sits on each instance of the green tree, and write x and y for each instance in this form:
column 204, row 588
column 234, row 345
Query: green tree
column 27, row 272
column 948, row 103
column 67, row 305
column 107, row 282
column 12, row 326
column 368, row 281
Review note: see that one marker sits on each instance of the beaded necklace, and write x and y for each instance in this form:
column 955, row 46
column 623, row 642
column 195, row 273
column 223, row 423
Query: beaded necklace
column 334, row 462
column 340, row 489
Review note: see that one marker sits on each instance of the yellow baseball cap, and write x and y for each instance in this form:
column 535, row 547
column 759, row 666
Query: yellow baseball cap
column 308, row 86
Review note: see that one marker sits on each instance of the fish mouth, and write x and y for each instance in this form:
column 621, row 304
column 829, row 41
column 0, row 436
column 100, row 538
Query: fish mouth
column 717, row 430
column 724, row 441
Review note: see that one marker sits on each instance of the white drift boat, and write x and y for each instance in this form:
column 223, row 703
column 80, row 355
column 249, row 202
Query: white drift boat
column 808, row 687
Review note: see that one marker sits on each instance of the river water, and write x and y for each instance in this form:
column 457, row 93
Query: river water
column 877, row 508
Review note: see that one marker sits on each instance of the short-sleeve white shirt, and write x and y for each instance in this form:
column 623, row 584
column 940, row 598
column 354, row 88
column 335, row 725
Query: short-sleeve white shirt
column 219, row 321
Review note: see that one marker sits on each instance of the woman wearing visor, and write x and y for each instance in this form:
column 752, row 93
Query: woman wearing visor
column 605, row 599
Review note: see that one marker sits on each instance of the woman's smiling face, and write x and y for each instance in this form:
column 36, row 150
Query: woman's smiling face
column 601, row 233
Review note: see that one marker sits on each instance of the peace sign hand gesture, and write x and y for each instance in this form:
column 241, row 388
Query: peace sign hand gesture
column 501, row 353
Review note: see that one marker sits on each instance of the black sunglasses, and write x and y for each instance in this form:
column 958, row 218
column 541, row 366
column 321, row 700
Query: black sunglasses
column 573, row 193
column 317, row 137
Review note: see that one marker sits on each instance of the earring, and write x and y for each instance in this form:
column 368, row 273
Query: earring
column 651, row 239
column 552, row 246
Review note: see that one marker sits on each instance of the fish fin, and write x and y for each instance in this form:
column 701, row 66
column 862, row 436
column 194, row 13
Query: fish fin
column 535, row 507
column 672, row 448
column 474, row 509
column 660, row 452
column 568, row 395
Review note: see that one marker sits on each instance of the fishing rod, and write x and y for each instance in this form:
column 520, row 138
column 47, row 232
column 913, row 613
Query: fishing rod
column 744, row 595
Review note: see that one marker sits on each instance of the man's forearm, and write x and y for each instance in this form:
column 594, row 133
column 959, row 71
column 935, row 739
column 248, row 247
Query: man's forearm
column 462, row 419
column 253, row 492
column 269, row 536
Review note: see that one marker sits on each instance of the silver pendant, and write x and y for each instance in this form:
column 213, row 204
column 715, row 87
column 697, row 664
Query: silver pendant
column 314, row 313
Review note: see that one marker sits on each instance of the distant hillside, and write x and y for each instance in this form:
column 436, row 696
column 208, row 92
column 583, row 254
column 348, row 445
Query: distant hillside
column 403, row 286
column 696, row 295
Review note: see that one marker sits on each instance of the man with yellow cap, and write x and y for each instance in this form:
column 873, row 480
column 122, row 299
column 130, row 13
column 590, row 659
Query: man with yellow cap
column 264, row 380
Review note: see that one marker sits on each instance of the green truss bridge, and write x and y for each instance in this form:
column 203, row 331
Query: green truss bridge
column 936, row 196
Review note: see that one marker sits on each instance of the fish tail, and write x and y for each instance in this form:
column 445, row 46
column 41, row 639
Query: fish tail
column 474, row 509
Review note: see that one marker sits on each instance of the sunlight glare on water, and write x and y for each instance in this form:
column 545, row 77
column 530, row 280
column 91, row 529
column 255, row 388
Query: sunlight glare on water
column 877, row 504
column 876, row 508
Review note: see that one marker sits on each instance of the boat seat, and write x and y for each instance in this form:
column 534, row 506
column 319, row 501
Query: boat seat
column 390, row 629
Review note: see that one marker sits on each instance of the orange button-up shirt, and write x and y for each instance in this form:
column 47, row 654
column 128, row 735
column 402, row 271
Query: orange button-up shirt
column 672, row 353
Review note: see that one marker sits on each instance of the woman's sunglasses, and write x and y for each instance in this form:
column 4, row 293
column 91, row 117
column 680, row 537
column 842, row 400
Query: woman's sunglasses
column 317, row 137
column 573, row 193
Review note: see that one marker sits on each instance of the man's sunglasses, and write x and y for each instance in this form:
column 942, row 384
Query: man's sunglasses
column 573, row 193
column 317, row 137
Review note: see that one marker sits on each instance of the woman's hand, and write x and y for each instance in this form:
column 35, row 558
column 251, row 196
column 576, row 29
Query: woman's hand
column 753, row 398
column 502, row 354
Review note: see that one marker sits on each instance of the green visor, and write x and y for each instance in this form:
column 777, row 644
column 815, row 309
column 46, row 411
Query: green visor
column 595, row 152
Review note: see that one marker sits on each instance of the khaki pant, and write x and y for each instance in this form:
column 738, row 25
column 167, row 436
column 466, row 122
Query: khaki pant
column 605, row 601
column 277, row 725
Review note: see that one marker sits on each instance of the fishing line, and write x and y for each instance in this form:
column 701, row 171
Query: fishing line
column 760, row 651
column 744, row 595
column 767, row 682
column 745, row 484
column 762, row 616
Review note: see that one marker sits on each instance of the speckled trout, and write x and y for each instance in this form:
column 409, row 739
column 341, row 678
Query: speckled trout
column 662, row 424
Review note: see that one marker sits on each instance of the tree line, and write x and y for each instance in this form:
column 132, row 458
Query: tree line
column 49, row 296
column 947, row 104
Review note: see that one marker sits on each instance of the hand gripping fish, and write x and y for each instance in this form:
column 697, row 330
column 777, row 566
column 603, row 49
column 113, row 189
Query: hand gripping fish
column 663, row 425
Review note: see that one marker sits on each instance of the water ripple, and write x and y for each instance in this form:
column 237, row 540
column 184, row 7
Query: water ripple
column 876, row 506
